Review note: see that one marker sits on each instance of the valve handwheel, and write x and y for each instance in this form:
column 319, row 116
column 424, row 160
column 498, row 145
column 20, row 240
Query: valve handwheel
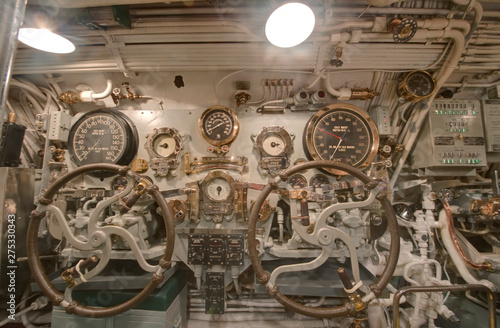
column 99, row 239
column 323, row 236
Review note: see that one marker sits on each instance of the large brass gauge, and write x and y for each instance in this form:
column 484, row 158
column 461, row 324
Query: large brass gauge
column 274, row 145
column 342, row 133
column 416, row 86
column 219, row 125
column 103, row 136
column 163, row 147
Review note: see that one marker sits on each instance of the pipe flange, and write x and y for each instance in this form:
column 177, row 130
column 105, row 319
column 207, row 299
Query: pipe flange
column 376, row 289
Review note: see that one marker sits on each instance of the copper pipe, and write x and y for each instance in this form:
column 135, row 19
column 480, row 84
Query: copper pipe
column 462, row 288
column 483, row 266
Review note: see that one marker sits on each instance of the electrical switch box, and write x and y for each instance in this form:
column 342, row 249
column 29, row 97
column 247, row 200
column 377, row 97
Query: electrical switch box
column 59, row 125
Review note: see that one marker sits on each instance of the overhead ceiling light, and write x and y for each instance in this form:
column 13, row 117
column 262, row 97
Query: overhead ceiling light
column 290, row 25
column 45, row 40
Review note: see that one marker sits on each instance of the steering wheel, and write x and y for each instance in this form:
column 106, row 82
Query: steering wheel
column 324, row 236
column 99, row 240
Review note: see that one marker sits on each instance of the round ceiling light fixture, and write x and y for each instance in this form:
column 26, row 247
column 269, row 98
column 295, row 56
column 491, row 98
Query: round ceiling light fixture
column 290, row 25
column 43, row 39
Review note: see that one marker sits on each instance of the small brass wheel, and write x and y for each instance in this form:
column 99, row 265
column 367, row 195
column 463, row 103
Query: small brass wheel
column 323, row 238
column 100, row 239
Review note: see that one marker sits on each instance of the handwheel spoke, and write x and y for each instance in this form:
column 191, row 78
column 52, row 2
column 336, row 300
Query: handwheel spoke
column 99, row 238
column 70, row 237
column 316, row 263
column 119, row 231
column 94, row 216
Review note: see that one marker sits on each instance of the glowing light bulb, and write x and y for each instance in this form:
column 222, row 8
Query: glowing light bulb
column 290, row 25
column 43, row 39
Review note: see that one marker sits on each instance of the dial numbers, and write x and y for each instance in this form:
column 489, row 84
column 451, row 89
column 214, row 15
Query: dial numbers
column 342, row 137
column 103, row 136
column 342, row 133
column 219, row 125
column 99, row 139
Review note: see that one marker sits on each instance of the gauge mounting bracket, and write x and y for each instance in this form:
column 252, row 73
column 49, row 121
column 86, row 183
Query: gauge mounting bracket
column 164, row 160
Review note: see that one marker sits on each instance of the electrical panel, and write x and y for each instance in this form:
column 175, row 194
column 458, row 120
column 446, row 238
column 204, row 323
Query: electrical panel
column 214, row 293
column 491, row 117
column 215, row 249
column 59, row 125
column 452, row 136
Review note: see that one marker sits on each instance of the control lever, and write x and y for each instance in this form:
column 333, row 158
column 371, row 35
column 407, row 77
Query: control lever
column 139, row 190
column 351, row 290
column 69, row 274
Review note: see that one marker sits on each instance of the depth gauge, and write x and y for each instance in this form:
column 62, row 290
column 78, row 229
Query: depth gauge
column 342, row 133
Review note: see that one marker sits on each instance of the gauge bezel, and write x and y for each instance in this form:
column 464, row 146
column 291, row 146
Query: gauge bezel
column 131, row 137
column 234, row 131
column 295, row 176
column 407, row 94
column 309, row 145
column 271, row 130
column 222, row 175
column 171, row 132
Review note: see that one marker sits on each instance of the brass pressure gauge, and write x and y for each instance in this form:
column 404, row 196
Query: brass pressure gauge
column 163, row 147
column 219, row 125
column 416, row 86
column 274, row 145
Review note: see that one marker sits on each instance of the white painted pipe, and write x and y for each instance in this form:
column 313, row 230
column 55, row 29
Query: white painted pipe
column 91, row 96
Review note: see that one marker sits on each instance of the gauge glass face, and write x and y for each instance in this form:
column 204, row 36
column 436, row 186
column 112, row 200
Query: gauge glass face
column 119, row 184
column 318, row 180
column 273, row 145
column 100, row 138
column 420, row 84
column 343, row 137
column 218, row 125
column 297, row 181
column 164, row 145
column 218, row 189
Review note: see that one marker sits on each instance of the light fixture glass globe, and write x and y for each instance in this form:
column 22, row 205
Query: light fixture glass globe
column 290, row 25
column 43, row 39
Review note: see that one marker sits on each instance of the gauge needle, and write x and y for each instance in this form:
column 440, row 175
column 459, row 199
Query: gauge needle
column 330, row 133
column 90, row 149
column 214, row 127
column 338, row 145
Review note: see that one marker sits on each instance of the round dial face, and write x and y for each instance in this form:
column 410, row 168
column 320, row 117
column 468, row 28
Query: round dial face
column 119, row 184
column 218, row 189
column 219, row 125
column 342, row 133
column 319, row 179
column 297, row 181
column 164, row 145
column 102, row 136
column 273, row 145
column 420, row 84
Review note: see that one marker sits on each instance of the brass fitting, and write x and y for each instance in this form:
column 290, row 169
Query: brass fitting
column 363, row 94
column 70, row 97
